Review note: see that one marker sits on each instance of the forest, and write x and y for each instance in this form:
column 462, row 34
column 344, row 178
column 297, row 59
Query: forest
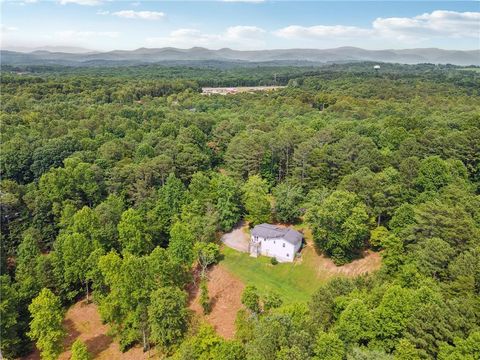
column 116, row 184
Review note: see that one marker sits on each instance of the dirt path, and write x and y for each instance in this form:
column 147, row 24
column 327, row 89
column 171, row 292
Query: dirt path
column 225, row 290
column 83, row 322
column 237, row 239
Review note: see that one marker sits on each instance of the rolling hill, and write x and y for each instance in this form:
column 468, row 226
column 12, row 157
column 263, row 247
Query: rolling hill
column 169, row 54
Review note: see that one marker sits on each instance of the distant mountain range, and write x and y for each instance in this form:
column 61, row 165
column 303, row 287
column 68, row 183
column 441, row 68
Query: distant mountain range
column 169, row 54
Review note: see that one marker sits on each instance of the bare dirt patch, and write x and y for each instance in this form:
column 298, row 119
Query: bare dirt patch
column 83, row 322
column 225, row 291
column 370, row 262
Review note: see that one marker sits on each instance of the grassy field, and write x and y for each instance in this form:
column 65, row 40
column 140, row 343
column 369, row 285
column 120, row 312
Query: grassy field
column 293, row 282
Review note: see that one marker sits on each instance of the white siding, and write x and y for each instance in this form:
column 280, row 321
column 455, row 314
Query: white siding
column 280, row 249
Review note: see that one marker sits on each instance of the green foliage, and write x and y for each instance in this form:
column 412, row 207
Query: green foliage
column 274, row 261
column 328, row 346
column 133, row 233
column 171, row 198
column 100, row 160
column 46, row 325
column 355, row 324
column 80, row 351
column 433, row 256
column 168, row 316
column 74, row 260
column 393, row 255
column 403, row 217
column 206, row 344
column 271, row 301
column 244, row 323
column 251, row 299
column 405, row 350
column 362, row 353
column 394, row 313
column 444, row 221
column 130, row 282
column 339, row 225
column 467, row 349
column 378, row 236
column 434, row 173
column 322, row 304
column 181, row 245
column 288, row 199
column 28, row 271
column 206, row 254
column 204, row 297
column 8, row 313
column 276, row 336
column 255, row 200
column 228, row 201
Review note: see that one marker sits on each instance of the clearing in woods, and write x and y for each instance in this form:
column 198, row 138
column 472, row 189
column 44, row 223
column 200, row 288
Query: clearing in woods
column 293, row 281
column 225, row 291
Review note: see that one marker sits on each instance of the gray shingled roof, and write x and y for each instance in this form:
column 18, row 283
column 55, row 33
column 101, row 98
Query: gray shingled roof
column 268, row 231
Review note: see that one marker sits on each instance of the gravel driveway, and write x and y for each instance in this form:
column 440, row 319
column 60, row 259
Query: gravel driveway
column 237, row 239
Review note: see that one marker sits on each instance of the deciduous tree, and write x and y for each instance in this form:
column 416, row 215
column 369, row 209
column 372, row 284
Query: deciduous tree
column 168, row 316
column 46, row 326
column 255, row 200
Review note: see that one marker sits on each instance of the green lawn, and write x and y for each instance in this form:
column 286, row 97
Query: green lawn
column 294, row 282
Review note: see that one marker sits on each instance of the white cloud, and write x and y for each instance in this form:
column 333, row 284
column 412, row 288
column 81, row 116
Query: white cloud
column 103, row 12
column 439, row 23
column 144, row 15
column 321, row 31
column 81, row 2
column 136, row 3
column 246, row 37
column 243, row 32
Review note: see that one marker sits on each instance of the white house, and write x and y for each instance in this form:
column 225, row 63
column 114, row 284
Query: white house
column 274, row 241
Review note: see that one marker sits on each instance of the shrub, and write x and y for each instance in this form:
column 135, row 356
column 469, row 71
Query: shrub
column 274, row 261
column 204, row 298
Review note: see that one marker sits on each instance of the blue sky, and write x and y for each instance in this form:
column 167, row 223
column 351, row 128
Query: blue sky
column 252, row 24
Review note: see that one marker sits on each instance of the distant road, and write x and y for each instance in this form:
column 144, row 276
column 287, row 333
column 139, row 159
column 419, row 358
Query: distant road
column 236, row 90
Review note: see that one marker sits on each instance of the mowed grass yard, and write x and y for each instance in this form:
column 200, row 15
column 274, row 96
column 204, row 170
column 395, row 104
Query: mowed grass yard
column 297, row 281
column 293, row 282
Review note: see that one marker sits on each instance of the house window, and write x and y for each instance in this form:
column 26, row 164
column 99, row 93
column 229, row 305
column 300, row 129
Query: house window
column 274, row 241
column 288, row 255
column 283, row 244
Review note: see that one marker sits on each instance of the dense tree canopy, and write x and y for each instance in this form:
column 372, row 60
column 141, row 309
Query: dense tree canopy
column 118, row 182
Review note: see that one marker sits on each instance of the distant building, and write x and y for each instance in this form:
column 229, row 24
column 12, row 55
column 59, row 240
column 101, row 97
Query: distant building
column 377, row 67
column 275, row 241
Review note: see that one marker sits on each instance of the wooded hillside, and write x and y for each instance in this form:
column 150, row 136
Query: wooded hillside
column 117, row 182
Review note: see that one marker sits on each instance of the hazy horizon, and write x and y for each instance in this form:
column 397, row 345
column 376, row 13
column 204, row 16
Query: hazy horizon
column 99, row 25
column 81, row 50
